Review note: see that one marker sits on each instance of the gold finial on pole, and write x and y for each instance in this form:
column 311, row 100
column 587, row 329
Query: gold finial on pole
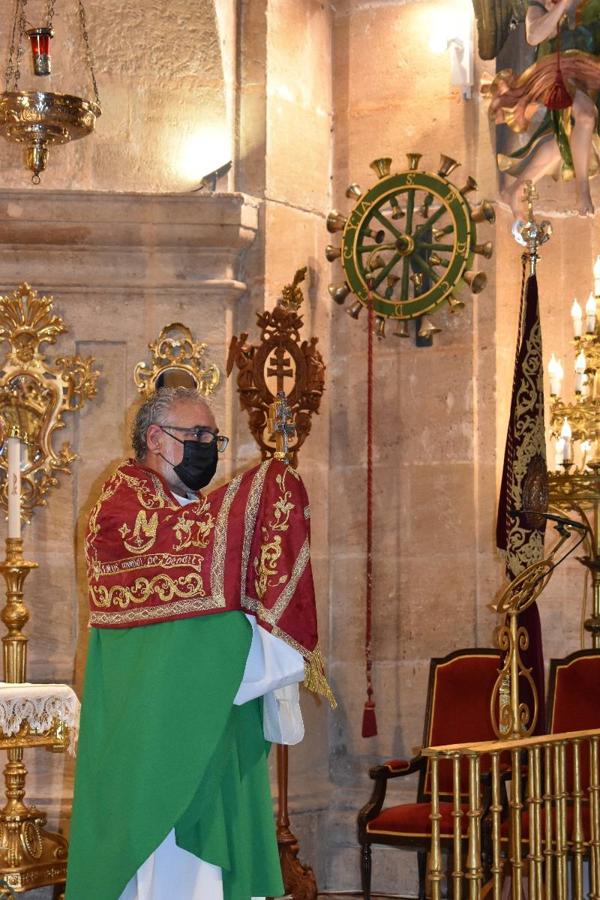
column 531, row 234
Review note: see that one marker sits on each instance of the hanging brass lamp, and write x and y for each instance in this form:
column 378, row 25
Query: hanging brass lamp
column 37, row 118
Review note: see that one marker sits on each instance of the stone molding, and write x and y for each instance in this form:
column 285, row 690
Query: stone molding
column 83, row 241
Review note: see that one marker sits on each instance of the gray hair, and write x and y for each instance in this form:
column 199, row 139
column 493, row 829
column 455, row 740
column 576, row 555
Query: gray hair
column 154, row 411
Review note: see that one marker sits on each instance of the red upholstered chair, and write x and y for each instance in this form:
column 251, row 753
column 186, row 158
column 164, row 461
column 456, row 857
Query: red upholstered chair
column 458, row 709
column 574, row 701
column 574, row 692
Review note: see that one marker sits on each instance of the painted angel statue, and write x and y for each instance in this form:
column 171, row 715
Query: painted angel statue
column 555, row 100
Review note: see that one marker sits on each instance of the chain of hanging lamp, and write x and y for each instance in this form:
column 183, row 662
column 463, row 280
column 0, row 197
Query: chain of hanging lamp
column 18, row 33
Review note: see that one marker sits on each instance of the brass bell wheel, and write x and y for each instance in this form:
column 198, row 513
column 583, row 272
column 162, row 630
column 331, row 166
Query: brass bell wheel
column 409, row 243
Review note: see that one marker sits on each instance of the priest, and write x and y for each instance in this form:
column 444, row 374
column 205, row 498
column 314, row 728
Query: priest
column 203, row 622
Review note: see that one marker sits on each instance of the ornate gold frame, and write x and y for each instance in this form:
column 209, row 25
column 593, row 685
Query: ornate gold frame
column 35, row 393
column 176, row 348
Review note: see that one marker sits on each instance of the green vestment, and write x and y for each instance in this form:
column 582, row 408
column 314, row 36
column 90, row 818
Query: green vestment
column 162, row 746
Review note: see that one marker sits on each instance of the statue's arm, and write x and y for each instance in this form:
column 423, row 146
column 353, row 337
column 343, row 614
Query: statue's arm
column 541, row 24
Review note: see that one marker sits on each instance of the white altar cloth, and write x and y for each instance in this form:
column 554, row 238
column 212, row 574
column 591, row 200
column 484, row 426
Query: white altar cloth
column 38, row 705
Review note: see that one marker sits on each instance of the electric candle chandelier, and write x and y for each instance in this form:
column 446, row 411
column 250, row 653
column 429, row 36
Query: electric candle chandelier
column 39, row 118
column 574, row 479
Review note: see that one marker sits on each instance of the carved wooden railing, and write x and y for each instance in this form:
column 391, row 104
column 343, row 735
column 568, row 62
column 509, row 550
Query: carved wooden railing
column 541, row 829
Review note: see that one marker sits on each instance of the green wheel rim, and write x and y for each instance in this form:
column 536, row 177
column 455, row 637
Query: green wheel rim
column 388, row 241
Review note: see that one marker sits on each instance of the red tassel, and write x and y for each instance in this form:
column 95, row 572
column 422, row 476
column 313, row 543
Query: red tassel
column 369, row 725
column 558, row 95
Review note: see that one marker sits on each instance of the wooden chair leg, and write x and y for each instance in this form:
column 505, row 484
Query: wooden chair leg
column 365, row 870
column 422, row 864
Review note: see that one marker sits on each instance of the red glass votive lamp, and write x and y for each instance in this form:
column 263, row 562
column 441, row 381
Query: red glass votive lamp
column 40, row 48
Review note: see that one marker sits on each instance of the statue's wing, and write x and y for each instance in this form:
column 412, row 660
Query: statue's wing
column 495, row 18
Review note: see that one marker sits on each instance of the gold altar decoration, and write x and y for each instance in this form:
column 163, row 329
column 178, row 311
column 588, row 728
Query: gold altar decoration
column 35, row 394
column 574, row 483
column 36, row 118
column 281, row 364
column 30, row 856
column 177, row 359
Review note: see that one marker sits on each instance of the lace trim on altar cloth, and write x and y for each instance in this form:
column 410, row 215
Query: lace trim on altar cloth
column 39, row 706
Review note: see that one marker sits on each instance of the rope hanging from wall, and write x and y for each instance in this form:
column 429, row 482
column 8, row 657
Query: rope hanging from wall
column 369, row 723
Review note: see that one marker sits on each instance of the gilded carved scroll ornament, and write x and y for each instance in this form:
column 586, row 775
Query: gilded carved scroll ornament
column 35, row 393
column 281, row 363
column 177, row 358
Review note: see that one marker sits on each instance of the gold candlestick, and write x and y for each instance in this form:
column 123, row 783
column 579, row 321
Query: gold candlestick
column 15, row 615
column 29, row 855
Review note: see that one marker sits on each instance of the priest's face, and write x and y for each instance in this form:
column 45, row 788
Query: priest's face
column 165, row 449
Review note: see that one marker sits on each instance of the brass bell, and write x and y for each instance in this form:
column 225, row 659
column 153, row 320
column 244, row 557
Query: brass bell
column 447, row 165
column 476, row 281
column 332, row 253
column 424, row 207
column 455, row 304
column 353, row 190
column 428, row 329
column 417, row 280
column 338, row 292
column 381, row 166
column 469, row 185
column 439, row 233
column 397, row 211
column 436, row 260
column 413, row 160
column 376, row 262
column 336, row 221
column 378, row 236
column 484, row 213
column 354, row 310
column 486, row 250
column 401, row 329
column 380, row 327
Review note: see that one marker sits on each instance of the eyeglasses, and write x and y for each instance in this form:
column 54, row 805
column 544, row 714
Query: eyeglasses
column 198, row 433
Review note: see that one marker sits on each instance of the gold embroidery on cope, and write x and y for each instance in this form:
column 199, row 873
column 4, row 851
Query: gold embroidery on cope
column 265, row 567
column 273, row 615
column 152, row 613
column 217, row 572
column 149, row 561
column 164, row 587
column 250, row 518
column 144, row 533
column 155, row 498
column 191, row 532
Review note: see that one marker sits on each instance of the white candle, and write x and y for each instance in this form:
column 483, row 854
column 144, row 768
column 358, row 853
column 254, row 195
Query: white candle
column 585, row 447
column 14, row 487
column 590, row 314
column 596, row 270
column 585, row 387
column 567, row 447
column 558, row 453
column 555, row 370
column 576, row 315
column 580, row 365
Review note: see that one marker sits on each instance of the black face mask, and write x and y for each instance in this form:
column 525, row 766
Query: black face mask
column 198, row 465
